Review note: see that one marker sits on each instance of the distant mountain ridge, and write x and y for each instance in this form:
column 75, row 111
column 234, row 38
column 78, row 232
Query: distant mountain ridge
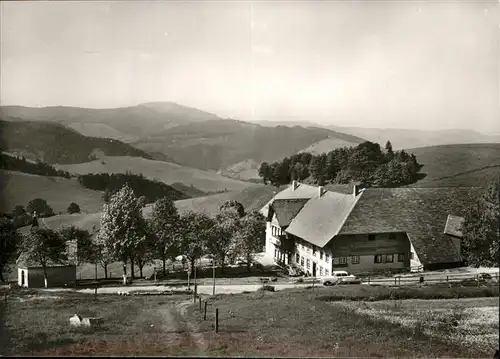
column 171, row 132
column 123, row 123
column 219, row 144
column 400, row 138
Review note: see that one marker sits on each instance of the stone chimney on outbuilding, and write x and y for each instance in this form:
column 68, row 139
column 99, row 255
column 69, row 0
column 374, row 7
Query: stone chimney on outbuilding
column 295, row 184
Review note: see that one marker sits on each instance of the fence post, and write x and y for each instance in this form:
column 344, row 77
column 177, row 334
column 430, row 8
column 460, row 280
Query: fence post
column 199, row 301
column 194, row 292
column 95, row 292
column 446, row 279
column 216, row 320
column 205, row 312
column 395, row 281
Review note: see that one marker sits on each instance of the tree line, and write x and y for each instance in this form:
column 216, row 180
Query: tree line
column 112, row 183
column 366, row 162
column 126, row 236
column 20, row 164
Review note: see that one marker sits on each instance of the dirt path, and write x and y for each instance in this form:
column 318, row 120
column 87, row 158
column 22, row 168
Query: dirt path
column 175, row 320
column 192, row 328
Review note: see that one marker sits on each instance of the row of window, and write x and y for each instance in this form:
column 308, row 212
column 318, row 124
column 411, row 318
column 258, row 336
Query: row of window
column 388, row 258
column 379, row 258
column 301, row 245
column 276, row 231
column 306, row 264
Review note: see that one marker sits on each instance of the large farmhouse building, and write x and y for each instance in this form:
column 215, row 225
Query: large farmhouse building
column 321, row 229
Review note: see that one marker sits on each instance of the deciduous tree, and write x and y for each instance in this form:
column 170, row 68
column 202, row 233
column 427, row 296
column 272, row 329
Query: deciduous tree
column 85, row 249
column 481, row 228
column 164, row 224
column 251, row 236
column 44, row 245
column 122, row 226
column 40, row 206
column 73, row 208
column 196, row 230
column 10, row 240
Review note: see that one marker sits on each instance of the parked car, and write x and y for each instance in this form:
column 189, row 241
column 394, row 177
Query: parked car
column 339, row 277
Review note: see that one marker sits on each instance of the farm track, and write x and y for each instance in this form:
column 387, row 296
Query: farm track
column 175, row 320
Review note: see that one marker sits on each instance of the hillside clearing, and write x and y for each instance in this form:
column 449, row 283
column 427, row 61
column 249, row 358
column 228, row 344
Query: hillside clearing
column 162, row 171
column 252, row 198
column 328, row 145
column 19, row 188
column 457, row 165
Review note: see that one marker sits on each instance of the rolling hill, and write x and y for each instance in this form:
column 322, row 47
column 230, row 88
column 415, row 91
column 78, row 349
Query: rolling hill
column 400, row 138
column 55, row 143
column 403, row 138
column 457, row 165
column 19, row 188
column 162, row 171
column 125, row 123
column 220, row 144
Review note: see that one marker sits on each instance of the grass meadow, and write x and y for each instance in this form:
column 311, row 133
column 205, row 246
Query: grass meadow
column 342, row 321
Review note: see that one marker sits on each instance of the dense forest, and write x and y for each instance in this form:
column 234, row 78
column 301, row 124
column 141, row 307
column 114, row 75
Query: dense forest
column 20, row 164
column 112, row 183
column 366, row 162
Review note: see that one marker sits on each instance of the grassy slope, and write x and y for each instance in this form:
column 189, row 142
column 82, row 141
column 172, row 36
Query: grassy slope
column 328, row 145
column 252, row 198
column 162, row 171
column 299, row 324
column 100, row 130
column 289, row 323
column 458, row 165
column 20, row 188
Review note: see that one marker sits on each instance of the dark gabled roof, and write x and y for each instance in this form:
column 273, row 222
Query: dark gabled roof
column 322, row 217
column 453, row 226
column 286, row 209
column 420, row 212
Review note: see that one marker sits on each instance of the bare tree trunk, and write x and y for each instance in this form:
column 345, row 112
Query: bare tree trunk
column 125, row 272
column 164, row 266
column 45, row 276
column 222, row 264
column 106, row 271
column 132, row 268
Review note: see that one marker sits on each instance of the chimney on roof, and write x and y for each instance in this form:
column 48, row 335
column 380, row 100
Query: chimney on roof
column 295, row 184
column 355, row 190
column 321, row 191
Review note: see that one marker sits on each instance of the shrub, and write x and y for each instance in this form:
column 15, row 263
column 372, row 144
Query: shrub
column 73, row 208
column 268, row 288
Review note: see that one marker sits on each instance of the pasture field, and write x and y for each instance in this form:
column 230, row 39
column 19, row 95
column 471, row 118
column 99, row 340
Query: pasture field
column 302, row 323
column 299, row 322
column 19, row 188
column 457, row 165
column 166, row 172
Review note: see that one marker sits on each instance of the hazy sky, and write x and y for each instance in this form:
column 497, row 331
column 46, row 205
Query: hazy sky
column 400, row 64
